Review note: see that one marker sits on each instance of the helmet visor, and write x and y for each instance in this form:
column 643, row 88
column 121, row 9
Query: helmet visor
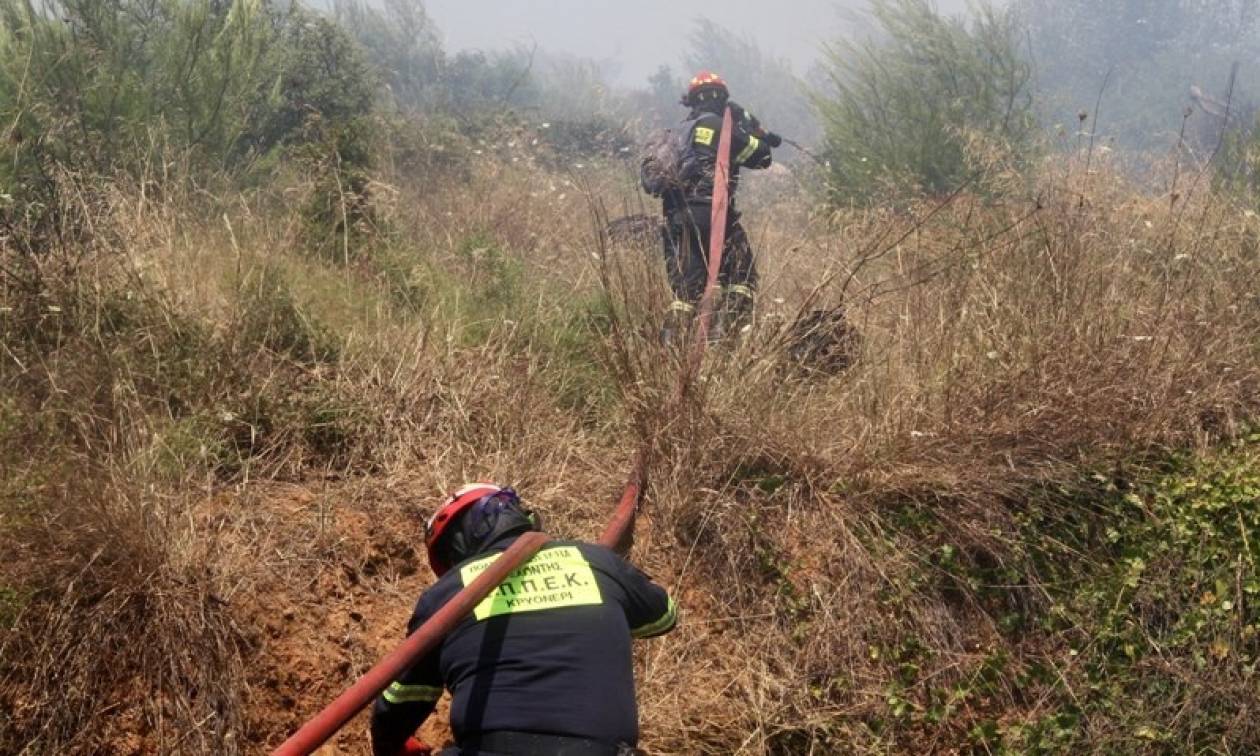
column 481, row 517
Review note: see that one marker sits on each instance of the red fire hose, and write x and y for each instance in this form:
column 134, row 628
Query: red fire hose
column 717, row 239
column 324, row 725
column 616, row 535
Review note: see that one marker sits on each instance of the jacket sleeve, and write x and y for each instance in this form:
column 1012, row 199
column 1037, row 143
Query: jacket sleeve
column 748, row 149
column 411, row 698
column 650, row 611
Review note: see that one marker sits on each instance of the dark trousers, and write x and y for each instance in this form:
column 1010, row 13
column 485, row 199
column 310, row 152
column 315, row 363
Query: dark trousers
column 686, row 246
column 504, row 743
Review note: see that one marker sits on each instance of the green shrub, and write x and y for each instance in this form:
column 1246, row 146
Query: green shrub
column 11, row 603
column 1144, row 596
column 572, row 334
column 322, row 107
column 89, row 82
column 172, row 89
column 1173, row 619
column 195, row 444
column 93, row 87
column 321, row 83
column 339, row 221
column 907, row 112
column 481, row 288
column 1237, row 164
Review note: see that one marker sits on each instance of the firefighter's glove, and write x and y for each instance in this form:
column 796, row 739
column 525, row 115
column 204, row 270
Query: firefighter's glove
column 773, row 139
column 415, row 747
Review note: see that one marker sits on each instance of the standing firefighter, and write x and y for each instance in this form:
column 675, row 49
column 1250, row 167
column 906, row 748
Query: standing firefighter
column 679, row 168
column 542, row 667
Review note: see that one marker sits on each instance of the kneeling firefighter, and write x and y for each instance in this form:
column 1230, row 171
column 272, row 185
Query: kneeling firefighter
column 680, row 170
column 542, row 667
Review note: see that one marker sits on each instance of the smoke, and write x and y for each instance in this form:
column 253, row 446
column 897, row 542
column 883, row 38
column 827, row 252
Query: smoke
column 630, row 41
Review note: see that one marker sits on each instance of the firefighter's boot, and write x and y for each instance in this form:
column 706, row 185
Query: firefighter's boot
column 677, row 324
column 735, row 310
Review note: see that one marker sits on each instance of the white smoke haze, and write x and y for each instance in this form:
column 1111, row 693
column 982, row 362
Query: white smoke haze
column 631, row 40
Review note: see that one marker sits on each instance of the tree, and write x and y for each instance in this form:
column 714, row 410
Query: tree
column 1143, row 57
column 905, row 109
column 402, row 43
column 114, row 87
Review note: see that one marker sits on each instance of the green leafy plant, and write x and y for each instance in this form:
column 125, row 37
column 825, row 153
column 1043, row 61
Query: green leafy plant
column 920, row 107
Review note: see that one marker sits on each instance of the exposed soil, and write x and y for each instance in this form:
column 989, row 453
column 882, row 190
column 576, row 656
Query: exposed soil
column 334, row 570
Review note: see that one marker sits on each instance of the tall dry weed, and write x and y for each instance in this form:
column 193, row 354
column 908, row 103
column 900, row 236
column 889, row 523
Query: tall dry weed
column 1010, row 350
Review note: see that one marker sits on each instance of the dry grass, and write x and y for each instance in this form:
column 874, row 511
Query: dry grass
column 1008, row 347
column 167, row 379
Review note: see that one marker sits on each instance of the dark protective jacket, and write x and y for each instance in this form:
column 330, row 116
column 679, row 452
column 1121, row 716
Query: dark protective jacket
column 548, row 652
column 701, row 133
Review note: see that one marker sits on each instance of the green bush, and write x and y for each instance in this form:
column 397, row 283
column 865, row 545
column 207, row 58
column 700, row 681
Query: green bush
column 321, row 82
column 90, row 82
column 339, row 220
column 11, row 603
column 92, row 87
column 1237, row 163
column 908, row 111
column 192, row 444
column 323, row 108
column 166, row 89
column 1145, row 600
column 1173, row 619
column 574, row 336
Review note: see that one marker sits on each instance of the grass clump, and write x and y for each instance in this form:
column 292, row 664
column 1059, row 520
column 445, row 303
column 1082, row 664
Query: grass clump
column 271, row 319
column 119, row 642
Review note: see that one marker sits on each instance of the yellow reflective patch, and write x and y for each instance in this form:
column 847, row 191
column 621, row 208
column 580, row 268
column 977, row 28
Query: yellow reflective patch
column 555, row 577
column 704, row 135
column 747, row 152
column 398, row 693
column 666, row 621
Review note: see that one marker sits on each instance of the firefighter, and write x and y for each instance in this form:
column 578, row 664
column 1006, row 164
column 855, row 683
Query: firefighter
column 542, row 667
column 687, row 204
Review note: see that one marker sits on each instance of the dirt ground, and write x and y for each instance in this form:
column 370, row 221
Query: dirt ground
column 331, row 573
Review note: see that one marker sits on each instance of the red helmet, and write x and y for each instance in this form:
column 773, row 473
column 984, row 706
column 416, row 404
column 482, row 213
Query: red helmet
column 448, row 513
column 704, row 83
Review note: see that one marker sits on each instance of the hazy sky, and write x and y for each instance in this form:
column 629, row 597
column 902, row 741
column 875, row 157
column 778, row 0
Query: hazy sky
column 636, row 36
